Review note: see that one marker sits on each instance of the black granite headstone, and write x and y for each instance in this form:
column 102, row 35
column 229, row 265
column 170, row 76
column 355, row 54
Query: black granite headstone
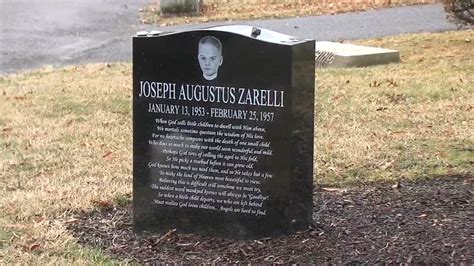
column 223, row 132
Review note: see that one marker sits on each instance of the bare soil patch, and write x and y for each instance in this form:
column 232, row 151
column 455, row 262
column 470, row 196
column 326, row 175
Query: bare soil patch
column 422, row 222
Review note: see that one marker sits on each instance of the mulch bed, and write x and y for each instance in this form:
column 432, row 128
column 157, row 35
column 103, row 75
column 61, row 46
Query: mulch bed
column 425, row 222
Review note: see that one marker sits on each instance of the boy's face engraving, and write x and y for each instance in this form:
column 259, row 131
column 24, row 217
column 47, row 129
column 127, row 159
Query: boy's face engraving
column 210, row 59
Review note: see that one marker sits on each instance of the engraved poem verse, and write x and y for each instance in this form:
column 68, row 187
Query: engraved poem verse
column 210, row 165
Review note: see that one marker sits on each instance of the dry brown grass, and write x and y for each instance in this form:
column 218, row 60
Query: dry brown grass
column 66, row 136
column 218, row 10
column 398, row 121
column 65, row 146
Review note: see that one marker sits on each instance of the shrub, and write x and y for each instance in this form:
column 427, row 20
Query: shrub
column 462, row 9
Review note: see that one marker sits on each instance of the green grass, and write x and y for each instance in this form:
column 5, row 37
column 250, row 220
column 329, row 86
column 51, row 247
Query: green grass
column 93, row 255
column 5, row 236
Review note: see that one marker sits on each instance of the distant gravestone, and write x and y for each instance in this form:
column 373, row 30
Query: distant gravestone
column 223, row 122
column 344, row 55
column 169, row 7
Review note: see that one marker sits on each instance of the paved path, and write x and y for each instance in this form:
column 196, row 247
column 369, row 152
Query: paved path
column 34, row 33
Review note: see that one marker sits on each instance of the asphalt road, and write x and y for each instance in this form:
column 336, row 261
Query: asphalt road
column 34, row 33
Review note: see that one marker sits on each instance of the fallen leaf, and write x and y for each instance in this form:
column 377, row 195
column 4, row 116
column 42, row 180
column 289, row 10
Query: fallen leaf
column 72, row 220
column 34, row 246
column 392, row 83
column 387, row 165
column 165, row 236
column 375, row 84
column 19, row 97
column 86, row 144
column 397, row 185
column 39, row 219
column 469, row 181
column 107, row 155
column 104, row 204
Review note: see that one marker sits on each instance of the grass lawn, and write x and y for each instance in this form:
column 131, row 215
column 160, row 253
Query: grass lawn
column 66, row 136
column 221, row 10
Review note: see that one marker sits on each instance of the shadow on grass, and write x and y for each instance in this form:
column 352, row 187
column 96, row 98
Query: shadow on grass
column 415, row 222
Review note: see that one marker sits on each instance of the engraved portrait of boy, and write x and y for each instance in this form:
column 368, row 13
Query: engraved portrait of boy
column 210, row 56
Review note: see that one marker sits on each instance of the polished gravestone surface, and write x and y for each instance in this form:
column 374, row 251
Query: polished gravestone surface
column 223, row 131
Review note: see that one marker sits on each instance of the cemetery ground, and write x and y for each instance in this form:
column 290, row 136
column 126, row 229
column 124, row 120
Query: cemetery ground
column 394, row 157
column 218, row 10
